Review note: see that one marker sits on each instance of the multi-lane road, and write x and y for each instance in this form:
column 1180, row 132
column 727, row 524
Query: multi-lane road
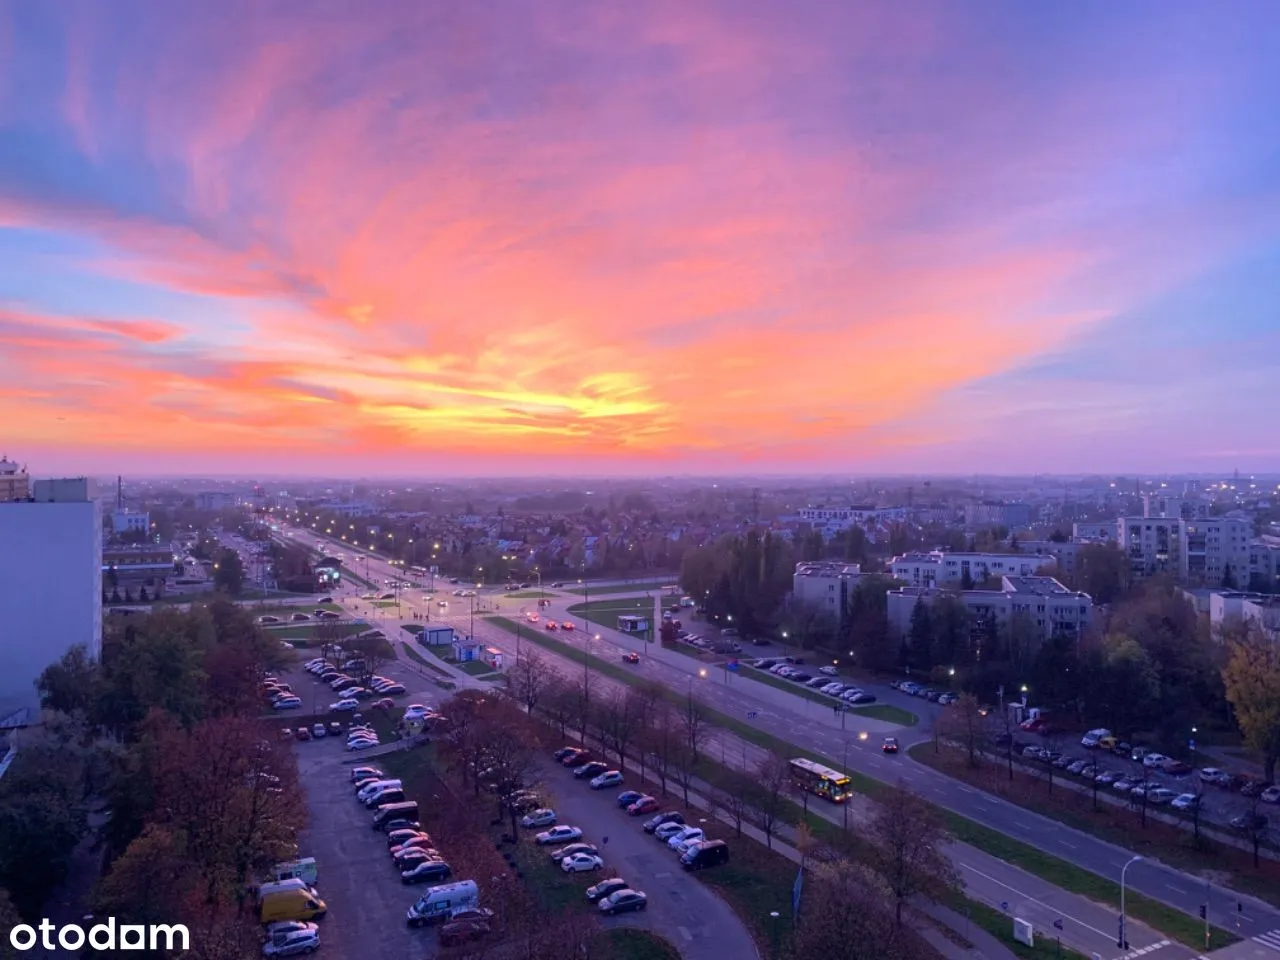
column 809, row 726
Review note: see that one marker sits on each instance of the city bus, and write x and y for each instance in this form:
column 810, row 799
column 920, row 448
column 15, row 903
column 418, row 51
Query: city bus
column 822, row 781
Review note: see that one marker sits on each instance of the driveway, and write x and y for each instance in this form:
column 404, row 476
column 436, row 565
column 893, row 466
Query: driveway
column 364, row 894
column 689, row 914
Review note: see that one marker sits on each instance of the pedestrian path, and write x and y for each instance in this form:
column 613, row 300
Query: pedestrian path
column 1261, row 946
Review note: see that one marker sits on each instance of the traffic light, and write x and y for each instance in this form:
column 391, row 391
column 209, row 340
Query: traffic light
column 1204, row 912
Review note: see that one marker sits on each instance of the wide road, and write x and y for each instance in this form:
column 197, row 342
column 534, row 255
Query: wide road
column 808, row 726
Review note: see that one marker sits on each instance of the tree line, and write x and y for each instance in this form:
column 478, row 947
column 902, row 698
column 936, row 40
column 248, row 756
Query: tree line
column 161, row 735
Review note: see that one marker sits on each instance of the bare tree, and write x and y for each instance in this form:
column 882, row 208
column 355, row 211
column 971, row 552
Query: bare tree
column 735, row 803
column 328, row 634
column 647, row 698
column 510, row 755
column 684, row 766
column 583, row 705
column 619, row 719
column 846, row 913
column 908, row 838
column 529, row 679
column 373, row 651
column 661, row 740
column 559, row 703
column 774, row 778
column 696, row 726
column 962, row 722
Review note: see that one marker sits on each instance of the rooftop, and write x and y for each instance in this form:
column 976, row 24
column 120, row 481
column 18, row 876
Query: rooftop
column 1042, row 586
column 827, row 568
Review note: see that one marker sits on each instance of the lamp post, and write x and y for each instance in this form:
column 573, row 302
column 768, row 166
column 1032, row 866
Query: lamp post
column 844, row 766
column 1122, row 941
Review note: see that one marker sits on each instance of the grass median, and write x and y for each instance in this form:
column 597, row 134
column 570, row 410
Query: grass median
column 1168, row 920
column 605, row 589
column 879, row 711
column 419, row 659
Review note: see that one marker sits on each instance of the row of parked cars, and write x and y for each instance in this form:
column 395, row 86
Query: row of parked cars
column 455, row 904
column 786, row 667
column 913, row 689
column 279, row 694
column 1102, row 739
column 300, row 617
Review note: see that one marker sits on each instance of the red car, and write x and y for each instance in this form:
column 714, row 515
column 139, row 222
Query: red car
column 631, row 657
column 462, row 931
column 643, row 805
column 386, row 703
column 303, row 733
column 567, row 625
column 551, row 625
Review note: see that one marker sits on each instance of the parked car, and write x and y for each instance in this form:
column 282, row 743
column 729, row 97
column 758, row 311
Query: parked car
column 590, row 770
column 1160, row 795
column 581, row 863
column 433, row 870
column 1270, row 795
column 558, row 834
column 829, row 670
column 668, row 830
column 539, row 818
column 610, row 778
column 1185, row 801
column 684, row 835
column 622, row 901
column 398, row 838
column 574, row 848
column 346, row 703
column 457, row 931
column 658, row 820
column 1154, row 760
column 627, row 797
column 318, row 731
column 642, row 806
column 366, row 773
column 707, row 853
column 560, row 755
column 605, row 887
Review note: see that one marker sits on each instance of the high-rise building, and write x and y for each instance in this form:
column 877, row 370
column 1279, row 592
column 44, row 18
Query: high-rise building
column 1155, row 545
column 1218, row 551
column 50, row 587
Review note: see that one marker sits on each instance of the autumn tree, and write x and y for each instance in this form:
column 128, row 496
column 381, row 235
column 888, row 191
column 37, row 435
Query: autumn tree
column 228, row 573
column 584, row 704
column 907, row 837
column 1252, row 678
column 373, row 650
column 773, row 777
column 558, row 704
column 619, row 722
column 529, row 679
column 962, row 721
column 846, row 912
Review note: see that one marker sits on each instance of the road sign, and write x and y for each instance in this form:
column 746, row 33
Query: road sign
column 751, row 714
column 1057, row 924
column 1004, row 905
column 795, row 891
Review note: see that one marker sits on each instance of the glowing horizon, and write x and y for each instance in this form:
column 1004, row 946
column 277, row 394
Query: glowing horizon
column 682, row 239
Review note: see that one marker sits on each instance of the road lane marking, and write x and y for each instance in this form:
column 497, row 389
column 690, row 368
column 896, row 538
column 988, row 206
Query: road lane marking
column 1041, row 903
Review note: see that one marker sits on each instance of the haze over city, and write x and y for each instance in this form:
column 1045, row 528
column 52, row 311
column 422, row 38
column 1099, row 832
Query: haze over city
column 666, row 238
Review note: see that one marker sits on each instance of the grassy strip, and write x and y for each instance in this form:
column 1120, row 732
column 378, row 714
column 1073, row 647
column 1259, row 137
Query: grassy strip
column 880, row 711
column 601, row 591
column 630, row 943
column 1000, row 926
column 607, row 612
column 476, row 668
column 1168, row 920
column 525, row 595
column 305, row 630
column 419, row 659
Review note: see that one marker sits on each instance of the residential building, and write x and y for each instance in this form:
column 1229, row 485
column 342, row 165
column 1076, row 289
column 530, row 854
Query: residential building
column 1264, row 564
column 14, row 482
column 1047, row 604
column 353, row 509
column 1218, row 551
column 941, row 568
column 1014, row 516
column 129, row 521
column 216, row 500
column 825, row 585
column 836, row 519
column 1162, row 505
column 1096, row 530
column 50, row 587
column 1154, row 545
column 1064, row 554
column 1236, row 606
column 147, row 564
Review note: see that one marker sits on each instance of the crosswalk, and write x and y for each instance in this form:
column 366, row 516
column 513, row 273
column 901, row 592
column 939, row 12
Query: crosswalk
column 1269, row 939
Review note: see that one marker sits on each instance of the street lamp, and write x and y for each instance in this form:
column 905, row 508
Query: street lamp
column 1122, row 941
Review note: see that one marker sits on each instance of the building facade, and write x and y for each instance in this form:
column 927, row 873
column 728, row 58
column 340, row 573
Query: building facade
column 991, row 514
column 50, row 587
column 1218, row 551
column 14, row 482
column 1154, row 545
column 1047, row 604
column 128, row 521
column 1096, row 530
column 941, row 568
column 825, row 585
column 1264, row 565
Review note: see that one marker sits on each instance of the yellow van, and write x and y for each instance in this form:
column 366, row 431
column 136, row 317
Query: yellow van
column 1107, row 743
column 293, row 904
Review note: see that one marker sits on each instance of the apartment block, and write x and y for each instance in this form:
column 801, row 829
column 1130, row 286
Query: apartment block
column 1015, row 516
column 941, row 568
column 1154, row 545
column 14, row 482
column 50, row 587
column 825, row 585
column 1218, row 551
column 1046, row 603
column 1096, row 530
column 1264, row 564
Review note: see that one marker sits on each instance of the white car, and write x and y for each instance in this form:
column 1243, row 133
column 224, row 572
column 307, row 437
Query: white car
column 685, row 836
column 415, row 711
column 833, row 689
column 560, row 834
column 287, row 703
column 1185, row 801
column 581, row 863
column 539, row 818
column 346, row 703
column 610, row 778
column 668, row 830
column 1154, row 759
column 1270, row 795
column 829, row 671
column 361, row 744
column 1214, row 775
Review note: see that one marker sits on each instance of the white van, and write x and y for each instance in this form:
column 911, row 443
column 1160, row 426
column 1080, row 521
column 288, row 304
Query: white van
column 304, row 870
column 439, row 903
column 280, row 886
column 369, row 789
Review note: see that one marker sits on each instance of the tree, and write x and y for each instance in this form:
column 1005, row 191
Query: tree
column 908, row 837
column 143, row 597
column 695, row 725
column 373, row 649
column 867, row 624
column 1102, row 571
column 529, row 679
column 583, row 705
column 773, row 776
column 619, row 721
column 1130, row 685
column 70, row 685
column 228, row 573
column 558, row 703
column 962, row 721
column 1252, row 678
column 735, row 803
column 846, row 913
column 661, row 740
column 684, row 767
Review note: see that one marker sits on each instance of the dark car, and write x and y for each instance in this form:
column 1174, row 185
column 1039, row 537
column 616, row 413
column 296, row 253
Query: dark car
column 710, row 853
column 657, row 820
column 801, row 677
column 642, row 806
column 621, row 901
column 589, row 770
column 463, row 931
column 1249, row 822
column 631, row 658
column 397, row 837
column 890, row 745
column 426, row 870
column 560, row 755
column 571, row 849
column 627, row 797
column 606, row 887
column 402, row 823
column 576, row 759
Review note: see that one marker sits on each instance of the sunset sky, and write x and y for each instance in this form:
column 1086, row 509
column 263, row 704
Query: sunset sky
column 594, row 237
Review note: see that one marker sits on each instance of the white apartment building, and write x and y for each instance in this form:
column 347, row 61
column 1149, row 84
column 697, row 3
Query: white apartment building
column 1218, row 548
column 50, row 587
column 1096, row 530
column 1154, row 545
column 825, row 585
column 941, row 568
column 14, row 482
column 1051, row 607
column 1064, row 554
column 127, row 521
column 1264, row 564
column 1226, row 606
column 837, row 519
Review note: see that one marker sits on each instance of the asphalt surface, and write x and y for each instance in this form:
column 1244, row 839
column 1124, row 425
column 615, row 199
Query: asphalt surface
column 809, row 725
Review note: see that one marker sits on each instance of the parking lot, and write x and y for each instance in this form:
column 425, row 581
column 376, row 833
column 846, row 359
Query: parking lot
column 680, row 908
column 361, row 888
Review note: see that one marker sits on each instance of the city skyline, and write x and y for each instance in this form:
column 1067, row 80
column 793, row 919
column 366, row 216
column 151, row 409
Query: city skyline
column 728, row 239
